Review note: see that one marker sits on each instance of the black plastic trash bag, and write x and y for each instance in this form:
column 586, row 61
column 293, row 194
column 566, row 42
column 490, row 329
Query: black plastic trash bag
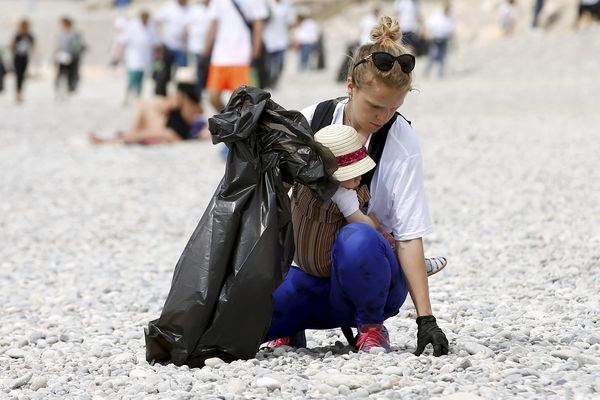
column 220, row 303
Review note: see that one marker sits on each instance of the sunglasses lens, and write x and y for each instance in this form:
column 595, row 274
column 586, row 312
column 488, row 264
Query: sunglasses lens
column 383, row 61
column 407, row 63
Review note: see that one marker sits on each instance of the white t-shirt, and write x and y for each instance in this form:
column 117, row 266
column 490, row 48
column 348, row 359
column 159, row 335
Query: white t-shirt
column 366, row 26
column 173, row 18
column 408, row 12
column 197, row 25
column 307, row 32
column 139, row 41
column 440, row 26
column 507, row 15
column 233, row 40
column 275, row 34
column 398, row 197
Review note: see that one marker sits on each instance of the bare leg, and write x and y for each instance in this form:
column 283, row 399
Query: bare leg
column 148, row 123
column 163, row 135
column 215, row 99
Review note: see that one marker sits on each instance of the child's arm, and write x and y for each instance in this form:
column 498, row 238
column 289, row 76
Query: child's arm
column 358, row 216
column 347, row 202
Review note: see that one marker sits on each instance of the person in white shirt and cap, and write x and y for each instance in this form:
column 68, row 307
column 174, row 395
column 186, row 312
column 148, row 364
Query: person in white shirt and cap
column 440, row 28
column 276, row 36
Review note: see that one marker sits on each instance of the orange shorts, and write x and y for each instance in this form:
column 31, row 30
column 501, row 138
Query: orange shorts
column 227, row 77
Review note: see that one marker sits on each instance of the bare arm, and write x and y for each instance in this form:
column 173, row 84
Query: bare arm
column 257, row 32
column 210, row 37
column 358, row 216
column 412, row 259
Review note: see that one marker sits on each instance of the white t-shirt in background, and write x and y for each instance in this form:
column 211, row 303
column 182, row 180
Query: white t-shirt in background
column 233, row 40
column 197, row 25
column 139, row 41
column 408, row 12
column 366, row 26
column 440, row 26
column 307, row 32
column 275, row 35
column 173, row 18
column 398, row 197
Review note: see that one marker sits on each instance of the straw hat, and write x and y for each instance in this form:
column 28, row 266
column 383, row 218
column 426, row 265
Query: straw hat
column 186, row 75
column 350, row 154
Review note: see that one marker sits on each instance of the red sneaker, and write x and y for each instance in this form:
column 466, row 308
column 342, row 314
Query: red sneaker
column 373, row 335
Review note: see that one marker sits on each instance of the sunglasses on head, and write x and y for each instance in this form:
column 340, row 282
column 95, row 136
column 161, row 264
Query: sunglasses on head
column 385, row 61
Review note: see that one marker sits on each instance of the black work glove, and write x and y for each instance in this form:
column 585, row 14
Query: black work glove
column 429, row 332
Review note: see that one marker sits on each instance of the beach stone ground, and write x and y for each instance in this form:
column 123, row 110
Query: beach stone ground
column 511, row 142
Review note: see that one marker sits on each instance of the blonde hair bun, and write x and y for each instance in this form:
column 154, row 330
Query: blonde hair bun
column 388, row 28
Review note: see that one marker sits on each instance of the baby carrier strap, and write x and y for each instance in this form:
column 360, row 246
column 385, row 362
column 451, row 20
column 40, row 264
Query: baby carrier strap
column 323, row 115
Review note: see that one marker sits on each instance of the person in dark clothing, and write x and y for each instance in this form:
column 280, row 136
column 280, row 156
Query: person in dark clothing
column 22, row 48
column 167, row 119
column 537, row 9
column 2, row 73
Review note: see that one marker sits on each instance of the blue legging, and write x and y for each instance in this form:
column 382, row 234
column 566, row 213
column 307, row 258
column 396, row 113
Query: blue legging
column 366, row 287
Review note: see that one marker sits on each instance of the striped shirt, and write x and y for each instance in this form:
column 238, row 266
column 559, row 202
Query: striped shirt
column 316, row 225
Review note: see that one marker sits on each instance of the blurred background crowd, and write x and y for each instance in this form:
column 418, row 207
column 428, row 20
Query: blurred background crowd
column 222, row 40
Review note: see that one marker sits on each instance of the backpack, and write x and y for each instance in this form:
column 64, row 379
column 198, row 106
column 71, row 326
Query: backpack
column 323, row 117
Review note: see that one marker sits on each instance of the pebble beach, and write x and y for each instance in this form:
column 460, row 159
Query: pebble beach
column 90, row 235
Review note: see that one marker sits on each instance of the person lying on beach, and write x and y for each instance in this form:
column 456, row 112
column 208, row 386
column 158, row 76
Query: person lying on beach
column 166, row 119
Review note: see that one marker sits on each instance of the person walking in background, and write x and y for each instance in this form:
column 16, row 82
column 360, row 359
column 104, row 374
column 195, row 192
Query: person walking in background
column 410, row 20
column 537, row 9
column 367, row 23
column 139, row 43
column 22, row 47
column 116, row 48
column 507, row 16
column 197, row 28
column 276, row 37
column 68, row 55
column 306, row 37
column 172, row 19
column 440, row 28
column 234, row 39
column 2, row 70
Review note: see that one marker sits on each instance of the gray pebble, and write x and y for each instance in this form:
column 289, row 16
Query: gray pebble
column 38, row 382
column 268, row 382
column 17, row 383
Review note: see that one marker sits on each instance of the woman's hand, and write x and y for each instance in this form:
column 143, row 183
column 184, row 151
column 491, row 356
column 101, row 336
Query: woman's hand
column 428, row 331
